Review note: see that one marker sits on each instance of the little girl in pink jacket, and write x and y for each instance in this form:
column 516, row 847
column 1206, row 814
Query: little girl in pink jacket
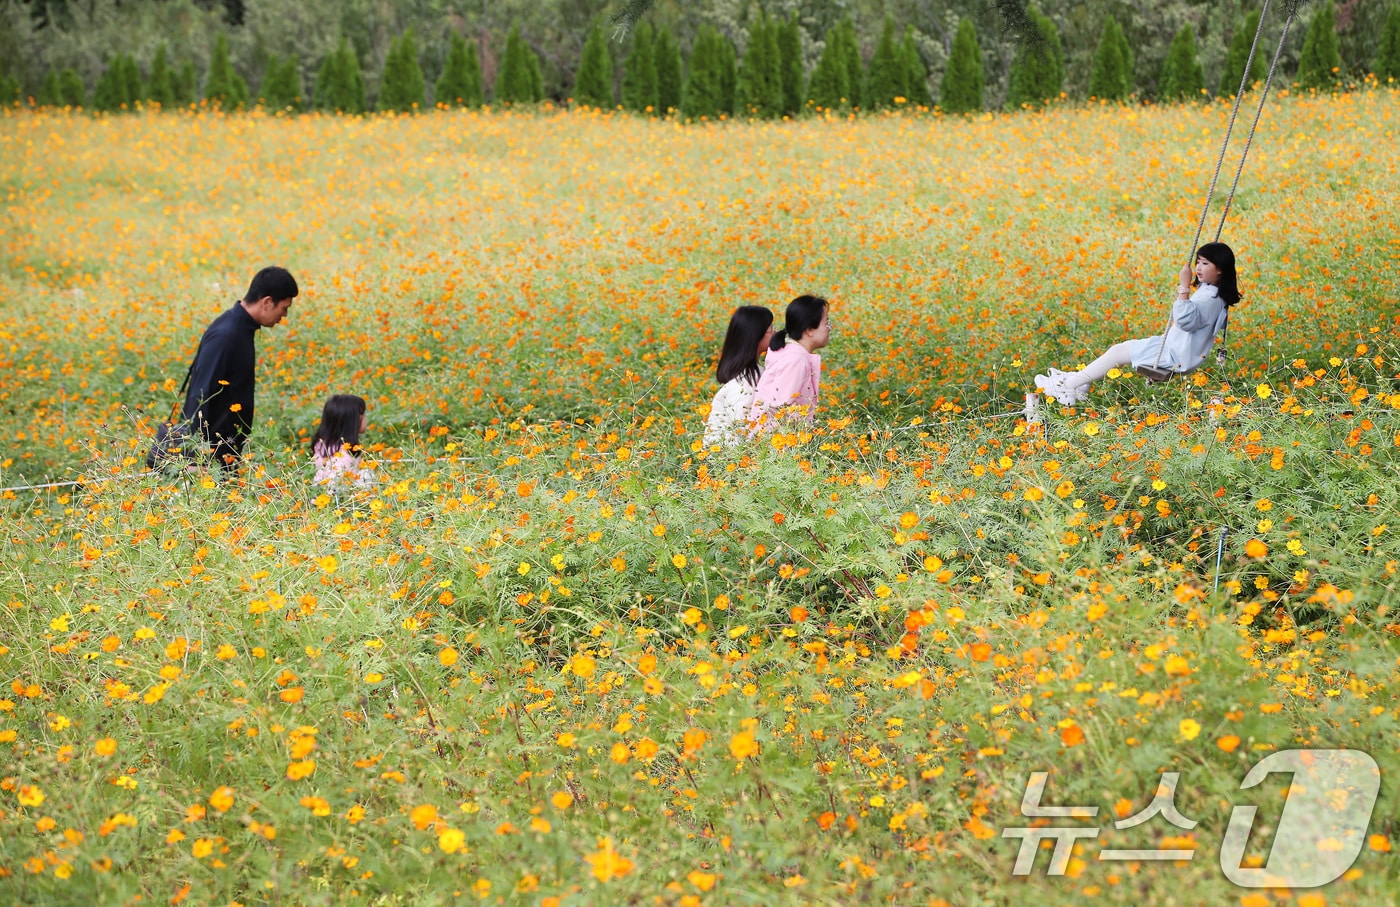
column 792, row 375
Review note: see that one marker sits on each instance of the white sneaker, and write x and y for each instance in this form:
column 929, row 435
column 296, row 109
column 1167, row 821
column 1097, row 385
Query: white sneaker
column 1054, row 385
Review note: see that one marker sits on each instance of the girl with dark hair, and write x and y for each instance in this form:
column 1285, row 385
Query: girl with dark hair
column 1196, row 319
column 335, row 448
column 750, row 329
column 792, row 380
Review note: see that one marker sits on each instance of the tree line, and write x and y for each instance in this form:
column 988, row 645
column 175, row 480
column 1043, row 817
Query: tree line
column 775, row 67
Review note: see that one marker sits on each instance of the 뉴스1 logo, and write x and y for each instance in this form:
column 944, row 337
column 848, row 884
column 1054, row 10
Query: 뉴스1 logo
column 1320, row 832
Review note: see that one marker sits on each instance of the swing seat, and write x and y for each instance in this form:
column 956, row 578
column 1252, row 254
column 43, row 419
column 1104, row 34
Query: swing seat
column 1154, row 374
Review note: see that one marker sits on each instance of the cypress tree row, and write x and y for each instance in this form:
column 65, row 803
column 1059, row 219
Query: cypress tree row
column 9, row 90
column 71, row 91
column 885, row 79
column 48, row 90
column 1235, row 60
column 829, row 89
column 401, row 87
column 593, row 85
column 790, row 64
column 518, row 81
column 1110, row 79
column 855, row 67
column 760, row 90
column 1320, row 64
column 161, row 87
column 222, row 85
column 186, row 84
column 639, row 89
column 1183, row 77
column 1038, row 70
column 461, row 82
column 704, row 94
column 915, row 73
column 1387, row 65
column 670, row 83
column 131, row 80
column 339, row 84
column 728, row 74
column 281, row 86
column 119, row 87
column 965, row 77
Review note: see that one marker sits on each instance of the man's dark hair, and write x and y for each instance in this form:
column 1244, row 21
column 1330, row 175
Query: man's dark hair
column 275, row 282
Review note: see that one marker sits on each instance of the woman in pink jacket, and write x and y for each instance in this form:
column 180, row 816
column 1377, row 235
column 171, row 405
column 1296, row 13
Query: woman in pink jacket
column 792, row 377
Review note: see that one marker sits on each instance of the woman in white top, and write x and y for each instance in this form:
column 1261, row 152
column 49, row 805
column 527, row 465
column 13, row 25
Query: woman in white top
column 336, row 447
column 750, row 329
column 1196, row 319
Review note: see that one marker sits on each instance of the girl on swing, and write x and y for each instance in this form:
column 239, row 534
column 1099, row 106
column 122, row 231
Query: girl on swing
column 1196, row 319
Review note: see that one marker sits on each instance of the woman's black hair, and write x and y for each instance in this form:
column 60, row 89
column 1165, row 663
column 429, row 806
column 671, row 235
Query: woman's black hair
column 340, row 425
column 1223, row 257
column 739, row 356
column 803, row 314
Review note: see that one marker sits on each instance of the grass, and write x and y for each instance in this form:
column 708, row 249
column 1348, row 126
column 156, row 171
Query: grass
column 564, row 655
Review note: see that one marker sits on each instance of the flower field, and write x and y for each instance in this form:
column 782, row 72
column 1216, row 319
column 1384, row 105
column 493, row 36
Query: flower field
column 563, row 655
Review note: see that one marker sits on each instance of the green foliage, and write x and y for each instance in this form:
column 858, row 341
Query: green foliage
column 915, row 73
column 1183, row 78
column 161, row 86
column 790, row 64
column 281, row 85
column 1111, row 78
column 593, row 86
column 1233, row 73
column 639, row 77
column 965, row 76
column 340, row 86
column 120, row 85
column 518, row 81
column 223, row 86
column 706, row 93
column 1038, row 71
column 760, row 91
column 854, row 66
column 728, row 75
column 1320, row 63
column 401, row 88
column 830, row 88
column 1387, row 64
column 670, row 82
column 885, row 80
column 71, row 90
column 461, row 82
column 9, row 91
column 186, row 84
column 48, row 91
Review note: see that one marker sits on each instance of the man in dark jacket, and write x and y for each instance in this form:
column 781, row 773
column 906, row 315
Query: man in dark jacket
column 219, row 401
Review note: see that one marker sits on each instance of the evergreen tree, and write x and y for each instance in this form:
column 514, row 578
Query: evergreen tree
column 704, row 85
column 829, row 89
column 669, row 81
column 130, row 75
column 110, row 92
column 855, row 68
column 1109, row 80
column 593, row 85
column 728, row 75
column 760, row 90
column 532, row 63
column 790, row 64
column 222, row 85
column 10, row 90
column 639, row 90
column 884, row 81
column 1125, row 53
column 1387, row 65
column 161, row 88
column 71, row 91
column 1321, row 62
column 965, row 77
column 1038, row 71
column 1183, row 78
column 401, row 87
column 517, row 79
column 49, row 91
column 340, row 86
column 1233, row 72
column 186, row 84
column 281, row 85
column 461, row 82
column 915, row 73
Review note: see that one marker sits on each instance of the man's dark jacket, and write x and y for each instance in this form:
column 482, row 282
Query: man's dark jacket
column 219, row 402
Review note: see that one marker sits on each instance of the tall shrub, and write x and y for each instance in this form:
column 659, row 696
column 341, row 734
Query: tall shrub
column 113, row 90
column 340, row 86
column 884, row 81
column 855, row 67
column 222, row 85
column 728, row 68
column 704, row 86
column 48, row 90
column 401, row 87
column 1321, row 62
column 161, row 87
column 1182, row 77
column 71, row 90
column 1109, row 79
column 915, row 73
column 518, row 80
column 1038, row 70
column 760, row 78
column 1238, row 56
column 186, row 84
column 829, row 88
column 670, row 81
column 790, row 64
column 593, row 85
column 281, row 86
column 1387, row 64
column 965, row 76
column 639, row 89
column 461, row 80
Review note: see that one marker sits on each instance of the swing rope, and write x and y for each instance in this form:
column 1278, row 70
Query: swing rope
column 1157, row 373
